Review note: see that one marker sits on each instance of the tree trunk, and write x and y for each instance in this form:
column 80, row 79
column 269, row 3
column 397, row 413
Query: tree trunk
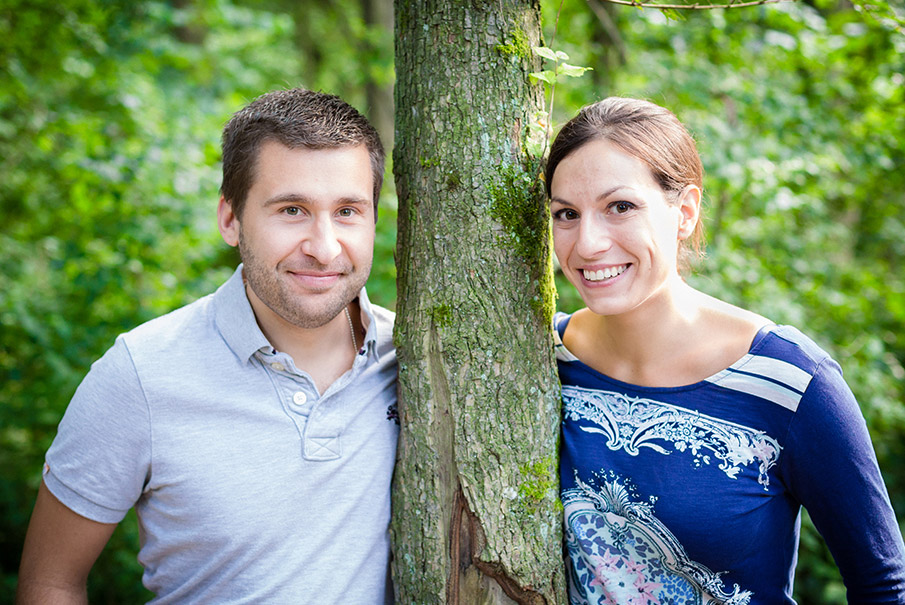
column 476, row 518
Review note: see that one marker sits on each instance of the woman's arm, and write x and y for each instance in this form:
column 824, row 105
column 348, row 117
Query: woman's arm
column 833, row 471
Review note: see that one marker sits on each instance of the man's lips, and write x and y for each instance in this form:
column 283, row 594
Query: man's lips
column 315, row 279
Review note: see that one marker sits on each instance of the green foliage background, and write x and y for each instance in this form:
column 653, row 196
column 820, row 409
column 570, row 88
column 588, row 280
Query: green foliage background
column 110, row 116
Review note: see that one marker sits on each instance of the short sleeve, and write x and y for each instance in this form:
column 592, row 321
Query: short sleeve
column 99, row 461
column 831, row 468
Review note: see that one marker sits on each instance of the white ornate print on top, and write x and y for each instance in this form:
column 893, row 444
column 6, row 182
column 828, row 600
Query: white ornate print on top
column 631, row 423
column 621, row 554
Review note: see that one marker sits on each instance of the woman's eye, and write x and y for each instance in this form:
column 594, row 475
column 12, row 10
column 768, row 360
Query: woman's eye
column 622, row 207
column 566, row 214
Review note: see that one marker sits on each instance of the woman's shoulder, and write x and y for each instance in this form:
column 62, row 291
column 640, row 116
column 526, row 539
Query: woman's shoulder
column 560, row 321
column 780, row 340
column 730, row 319
column 719, row 334
column 789, row 344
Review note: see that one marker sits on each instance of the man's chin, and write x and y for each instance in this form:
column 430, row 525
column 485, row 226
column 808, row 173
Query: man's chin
column 318, row 310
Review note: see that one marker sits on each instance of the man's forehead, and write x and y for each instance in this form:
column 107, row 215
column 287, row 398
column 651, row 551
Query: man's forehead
column 352, row 160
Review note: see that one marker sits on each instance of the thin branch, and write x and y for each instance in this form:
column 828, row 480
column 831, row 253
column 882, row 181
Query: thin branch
column 694, row 6
column 549, row 129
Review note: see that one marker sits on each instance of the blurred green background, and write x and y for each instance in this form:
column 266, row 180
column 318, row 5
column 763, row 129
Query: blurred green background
column 110, row 118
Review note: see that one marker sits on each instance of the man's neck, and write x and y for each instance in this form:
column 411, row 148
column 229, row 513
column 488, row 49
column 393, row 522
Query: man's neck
column 326, row 352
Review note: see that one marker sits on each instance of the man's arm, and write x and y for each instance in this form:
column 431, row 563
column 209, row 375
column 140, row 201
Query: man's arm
column 60, row 549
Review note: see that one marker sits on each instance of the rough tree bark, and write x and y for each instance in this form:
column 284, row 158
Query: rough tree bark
column 476, row 517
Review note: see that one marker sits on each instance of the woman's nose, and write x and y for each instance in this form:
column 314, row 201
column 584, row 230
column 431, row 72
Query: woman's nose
column 594, row 237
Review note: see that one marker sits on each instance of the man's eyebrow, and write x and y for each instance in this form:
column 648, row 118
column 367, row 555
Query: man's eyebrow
column 356, row 200
column 299, row 198
column 286, row 197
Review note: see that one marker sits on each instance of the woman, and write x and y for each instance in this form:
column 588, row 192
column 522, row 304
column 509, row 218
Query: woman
column 693, row 430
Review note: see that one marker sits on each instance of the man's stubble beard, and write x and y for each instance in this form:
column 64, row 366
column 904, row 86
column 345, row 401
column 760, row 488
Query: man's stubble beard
column 304, row 311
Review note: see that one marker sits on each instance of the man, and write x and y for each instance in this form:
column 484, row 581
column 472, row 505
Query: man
column 250, row 428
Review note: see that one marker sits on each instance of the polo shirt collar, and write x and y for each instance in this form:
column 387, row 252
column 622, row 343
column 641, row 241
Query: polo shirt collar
column 236, row 321
column 369, row 321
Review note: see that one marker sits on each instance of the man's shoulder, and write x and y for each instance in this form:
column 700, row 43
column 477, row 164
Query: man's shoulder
column 176, row 329
column 162, row 346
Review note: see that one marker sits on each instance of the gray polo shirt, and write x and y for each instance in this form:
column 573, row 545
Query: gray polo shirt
column 250, row 485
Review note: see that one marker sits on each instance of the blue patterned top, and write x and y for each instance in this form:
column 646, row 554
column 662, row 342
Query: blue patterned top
column 692, row 494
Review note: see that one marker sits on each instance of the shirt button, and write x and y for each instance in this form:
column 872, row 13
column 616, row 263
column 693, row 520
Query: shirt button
column 277, row 366
column 299, row 398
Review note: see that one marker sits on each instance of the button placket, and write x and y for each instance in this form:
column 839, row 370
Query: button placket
column 322, row 439
column 299, row 401
column 291, row 386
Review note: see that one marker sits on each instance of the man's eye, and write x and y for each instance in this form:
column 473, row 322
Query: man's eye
column 346, row 212
column 292, row 211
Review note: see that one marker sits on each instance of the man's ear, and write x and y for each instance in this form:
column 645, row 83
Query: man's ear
column 689, row 210
column 228, row 222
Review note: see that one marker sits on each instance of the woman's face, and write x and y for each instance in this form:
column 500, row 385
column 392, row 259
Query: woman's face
column 614, row 232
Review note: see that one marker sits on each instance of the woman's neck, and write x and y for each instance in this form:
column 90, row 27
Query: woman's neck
column 680, row 337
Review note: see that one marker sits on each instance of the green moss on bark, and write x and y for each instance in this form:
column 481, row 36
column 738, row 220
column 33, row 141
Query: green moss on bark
column 517, row 203
column 517, row 45
column 441, row 315
column 539, row 482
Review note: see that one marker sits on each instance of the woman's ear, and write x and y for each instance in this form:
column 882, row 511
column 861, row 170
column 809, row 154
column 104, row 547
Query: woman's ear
column 228, row 222
column 689, row 205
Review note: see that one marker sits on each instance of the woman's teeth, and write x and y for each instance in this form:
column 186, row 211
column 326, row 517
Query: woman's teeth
column 602, row 274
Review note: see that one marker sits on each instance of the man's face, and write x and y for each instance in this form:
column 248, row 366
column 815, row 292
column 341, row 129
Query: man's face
column 306, row 235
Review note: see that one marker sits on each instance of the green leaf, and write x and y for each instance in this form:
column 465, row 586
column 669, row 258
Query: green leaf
column 546, row 53
column 547, row 76
column 572, row 71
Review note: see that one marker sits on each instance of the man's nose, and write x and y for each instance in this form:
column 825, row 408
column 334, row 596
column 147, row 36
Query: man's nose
column 322, row 242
